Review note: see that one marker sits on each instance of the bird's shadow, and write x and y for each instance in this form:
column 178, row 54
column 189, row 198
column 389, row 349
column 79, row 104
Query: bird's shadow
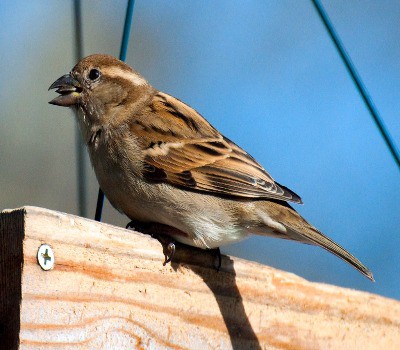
column 222, row 284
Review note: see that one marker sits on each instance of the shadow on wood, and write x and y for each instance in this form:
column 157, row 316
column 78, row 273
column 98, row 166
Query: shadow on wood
column 222, row 284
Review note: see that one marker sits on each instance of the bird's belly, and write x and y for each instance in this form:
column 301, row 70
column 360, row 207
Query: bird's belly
column 205, row 224
column 203, row 227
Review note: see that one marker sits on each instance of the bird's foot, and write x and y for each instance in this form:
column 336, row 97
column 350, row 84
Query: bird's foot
column 168, row 245
column 154, row 229
column 170, row 252
column 139, row 226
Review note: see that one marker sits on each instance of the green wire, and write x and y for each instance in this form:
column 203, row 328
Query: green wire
column 357, row 81
column 79, row 146
column 122, row 57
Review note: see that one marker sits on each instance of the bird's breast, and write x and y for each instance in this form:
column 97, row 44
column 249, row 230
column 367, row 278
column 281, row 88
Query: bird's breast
column 117, row 161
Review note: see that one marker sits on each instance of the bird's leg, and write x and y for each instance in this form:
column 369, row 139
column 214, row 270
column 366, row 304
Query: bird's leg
column 169, row 246
column 164, row 233
column 138, row 226
column 160, row 232
column 171, row 249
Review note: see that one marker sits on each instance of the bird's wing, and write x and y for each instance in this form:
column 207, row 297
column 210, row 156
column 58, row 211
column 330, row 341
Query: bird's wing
column 181, row 148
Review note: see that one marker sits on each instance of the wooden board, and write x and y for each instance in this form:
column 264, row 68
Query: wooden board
column 109, row 290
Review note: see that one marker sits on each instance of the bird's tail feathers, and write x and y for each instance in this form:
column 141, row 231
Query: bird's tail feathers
column 312, row 236
column 284, row 222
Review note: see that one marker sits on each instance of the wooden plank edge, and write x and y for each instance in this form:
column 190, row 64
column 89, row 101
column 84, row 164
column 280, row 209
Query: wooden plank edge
column 252, row 306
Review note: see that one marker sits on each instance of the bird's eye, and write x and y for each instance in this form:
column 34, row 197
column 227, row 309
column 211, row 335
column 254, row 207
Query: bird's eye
column 94, row 74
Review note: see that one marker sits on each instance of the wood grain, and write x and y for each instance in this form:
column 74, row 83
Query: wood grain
column 110, row 290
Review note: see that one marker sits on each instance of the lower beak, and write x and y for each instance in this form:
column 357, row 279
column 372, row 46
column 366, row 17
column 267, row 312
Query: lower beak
column 69, row 90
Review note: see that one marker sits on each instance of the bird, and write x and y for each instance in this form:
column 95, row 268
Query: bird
column 161, row 162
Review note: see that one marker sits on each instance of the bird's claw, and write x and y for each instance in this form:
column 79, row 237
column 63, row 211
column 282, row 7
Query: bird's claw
column 171, row 251
column 129, row 225
column 135, row 225
column 152, row 230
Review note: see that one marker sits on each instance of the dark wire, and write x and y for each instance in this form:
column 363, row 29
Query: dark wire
column 357, row 81
column 79, row 146
column 127, row 30
column 122, row 57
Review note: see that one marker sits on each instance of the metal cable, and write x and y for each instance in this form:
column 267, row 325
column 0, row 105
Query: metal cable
column 122, row 57
column 357, row 81
column 79, row 146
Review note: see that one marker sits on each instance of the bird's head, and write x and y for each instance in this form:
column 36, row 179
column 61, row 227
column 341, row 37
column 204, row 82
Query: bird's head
column 100, row 86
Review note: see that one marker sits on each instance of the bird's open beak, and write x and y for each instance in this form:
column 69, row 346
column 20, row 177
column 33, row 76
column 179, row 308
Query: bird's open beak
column 69, row 90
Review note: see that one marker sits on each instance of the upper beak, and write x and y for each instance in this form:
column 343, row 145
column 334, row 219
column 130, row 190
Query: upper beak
column 68, row 88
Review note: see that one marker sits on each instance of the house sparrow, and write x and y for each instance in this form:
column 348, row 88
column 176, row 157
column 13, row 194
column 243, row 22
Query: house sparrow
column 159, row 161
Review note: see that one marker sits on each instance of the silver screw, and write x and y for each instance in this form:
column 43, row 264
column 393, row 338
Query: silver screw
column 45, row 257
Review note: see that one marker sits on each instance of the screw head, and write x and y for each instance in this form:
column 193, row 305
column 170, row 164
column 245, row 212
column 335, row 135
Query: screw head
column 45, row 257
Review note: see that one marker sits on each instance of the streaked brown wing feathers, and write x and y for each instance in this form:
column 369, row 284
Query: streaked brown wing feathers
column 183, row 149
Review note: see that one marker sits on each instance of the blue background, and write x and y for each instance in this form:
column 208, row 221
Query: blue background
column 266, row 74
